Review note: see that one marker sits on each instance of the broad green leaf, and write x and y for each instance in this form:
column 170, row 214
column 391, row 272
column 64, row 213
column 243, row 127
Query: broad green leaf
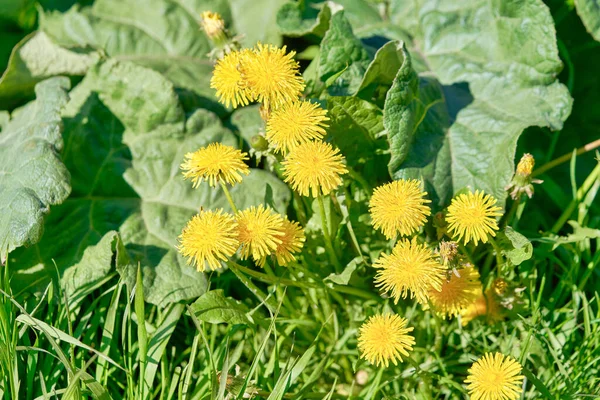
column 507, row 53
column 215, row 308
column 96, row 262
column 589, row 12
column 32, row 175
column 342, row 57
column 255, row 20
column 303, row 18
column 516, row 247
column 36, row 58
column 344, row 277
column 126, row 136
column 356, row 128
column 383, row 69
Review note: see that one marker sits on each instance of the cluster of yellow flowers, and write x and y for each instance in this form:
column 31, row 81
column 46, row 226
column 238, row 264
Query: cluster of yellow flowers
column 212, row 237
column 440, row 280
column 295, row 128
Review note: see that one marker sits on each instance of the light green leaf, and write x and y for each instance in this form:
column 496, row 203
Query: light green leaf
column 516, row 247
column 507, row 53
column 303, row 18
column 36, row 58
column 342, row 57
column 589, row 12
column 355, row 127
column 96, row 262
column 126, row 136
column 344, row 277
column 256, row 20
column 383, row 69
column 213, row 307
column 32, row 175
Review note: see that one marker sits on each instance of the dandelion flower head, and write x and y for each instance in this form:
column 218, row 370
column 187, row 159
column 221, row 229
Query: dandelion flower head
column 213, row 163
column 209, row 238
column 399, row 207
column 213, row 24
column 296, row 123
column 457, row 293
column 314, row 168
column 260, row 230
column 411, row 268
column 272, row 75
column 228, row 81
column 495, row 377
column 292, row 242
column 385, row 338
column 472, row 217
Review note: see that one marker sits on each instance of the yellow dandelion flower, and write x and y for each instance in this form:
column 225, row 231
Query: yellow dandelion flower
column 384, row 338
column 213, row 163
column 486, row 306
column 272, row 75
column 260, row 230
column 399, row 207
column 411, row 267
column 229, row 82
column 213, row 24
column 472, row 216
column 292, row 242
column 209, row 238
column 314, row 168
column 495, row 377
column 296, row 123
column 457, row 293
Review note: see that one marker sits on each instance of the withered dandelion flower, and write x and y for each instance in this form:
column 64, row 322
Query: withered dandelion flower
column 213, row 163
column 228, row 81
column 272, row 75
column 411, row 268
column 487, row 306
column 292, row 242
column 314, row 168
column 385, row 338
column 209, row 238
column 259, row 232
column 296, row 123
column 458, row 292
column 472, row 217
column 495, row 377
column 213, row 24
column 399, row 207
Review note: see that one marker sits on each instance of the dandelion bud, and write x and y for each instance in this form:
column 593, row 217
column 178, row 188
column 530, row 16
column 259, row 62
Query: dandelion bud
column 522, row 181
column 213, row 26
column 259, row 143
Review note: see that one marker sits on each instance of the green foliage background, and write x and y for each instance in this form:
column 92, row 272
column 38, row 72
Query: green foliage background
column 100, row 101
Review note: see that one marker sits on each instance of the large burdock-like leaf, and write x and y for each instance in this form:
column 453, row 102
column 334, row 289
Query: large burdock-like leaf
column 32, row 175
column 505, row 51
column 36, row 58
column 125, row 138
column 589, row 12
column 164, row 35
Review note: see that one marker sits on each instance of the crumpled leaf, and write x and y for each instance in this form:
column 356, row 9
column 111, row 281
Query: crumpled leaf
column 32, row 175
column 589, row 12
column 344, row 277
column 303, row 18
column 36, row 58
column 342, row 58
column 215, row 308
column 516, row 247
column 125, row 138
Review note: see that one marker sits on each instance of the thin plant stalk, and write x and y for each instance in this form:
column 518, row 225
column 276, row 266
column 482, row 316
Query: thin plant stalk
column 328, row 243
column 228, row 196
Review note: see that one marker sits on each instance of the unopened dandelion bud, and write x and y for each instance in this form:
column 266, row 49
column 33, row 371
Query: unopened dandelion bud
column 214, row 26
column 259, row 143
column 522, row 181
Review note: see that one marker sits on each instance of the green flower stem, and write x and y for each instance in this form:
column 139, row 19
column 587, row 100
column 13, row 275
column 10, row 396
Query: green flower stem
column 328, row 243
column 229, row 198
column 566, row 157
column 497, row 250
column 272, row 279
